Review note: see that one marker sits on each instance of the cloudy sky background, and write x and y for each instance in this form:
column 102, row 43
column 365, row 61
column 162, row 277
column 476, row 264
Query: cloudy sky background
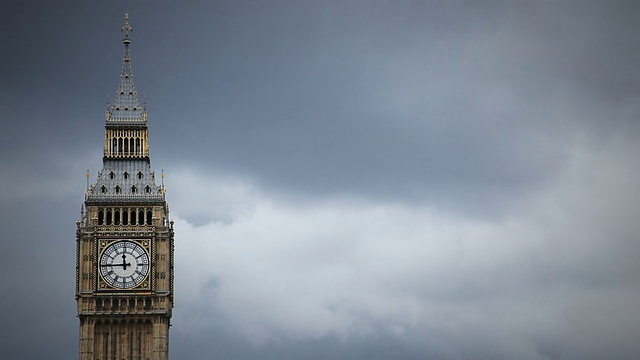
column 349, row 180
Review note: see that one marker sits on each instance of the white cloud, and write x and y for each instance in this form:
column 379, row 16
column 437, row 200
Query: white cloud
column 274, row 269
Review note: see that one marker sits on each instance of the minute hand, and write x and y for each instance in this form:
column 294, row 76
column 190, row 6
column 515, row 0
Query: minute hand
column 124, row 265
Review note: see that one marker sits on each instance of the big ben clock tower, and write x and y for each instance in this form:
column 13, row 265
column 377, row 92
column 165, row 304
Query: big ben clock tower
column 124, row 241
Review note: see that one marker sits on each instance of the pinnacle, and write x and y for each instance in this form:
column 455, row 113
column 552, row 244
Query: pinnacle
column 126, row 107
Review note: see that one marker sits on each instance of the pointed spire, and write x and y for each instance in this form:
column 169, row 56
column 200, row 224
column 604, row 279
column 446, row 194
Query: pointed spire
column 126, row 108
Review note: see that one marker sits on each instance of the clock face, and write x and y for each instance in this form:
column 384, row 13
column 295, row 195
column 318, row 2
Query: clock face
column 124, row 264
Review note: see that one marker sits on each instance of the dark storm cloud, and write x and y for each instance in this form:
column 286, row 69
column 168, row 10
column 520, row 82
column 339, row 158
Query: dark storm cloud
column 399, row 102
column 395, row 102
column 482, row 109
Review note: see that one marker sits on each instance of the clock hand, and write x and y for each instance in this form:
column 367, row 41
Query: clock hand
column 124, row 261
column 124, row 265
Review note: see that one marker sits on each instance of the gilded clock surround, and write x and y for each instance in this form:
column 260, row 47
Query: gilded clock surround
column 104, row 284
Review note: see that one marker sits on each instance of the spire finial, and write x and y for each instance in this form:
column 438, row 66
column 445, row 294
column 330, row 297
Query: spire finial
column 126, row 29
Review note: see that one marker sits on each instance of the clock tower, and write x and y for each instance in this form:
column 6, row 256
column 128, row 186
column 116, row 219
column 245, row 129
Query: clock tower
column 124, row 240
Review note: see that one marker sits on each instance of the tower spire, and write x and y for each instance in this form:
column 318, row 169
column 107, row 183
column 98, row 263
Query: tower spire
column 126, row 109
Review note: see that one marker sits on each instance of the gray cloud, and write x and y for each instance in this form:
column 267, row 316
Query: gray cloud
column 349, row 181
column 523, row 287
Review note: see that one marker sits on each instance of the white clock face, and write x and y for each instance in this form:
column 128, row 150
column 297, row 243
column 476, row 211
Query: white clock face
column 124, row 264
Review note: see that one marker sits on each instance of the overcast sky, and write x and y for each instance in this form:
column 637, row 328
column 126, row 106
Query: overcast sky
column 348, row 180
